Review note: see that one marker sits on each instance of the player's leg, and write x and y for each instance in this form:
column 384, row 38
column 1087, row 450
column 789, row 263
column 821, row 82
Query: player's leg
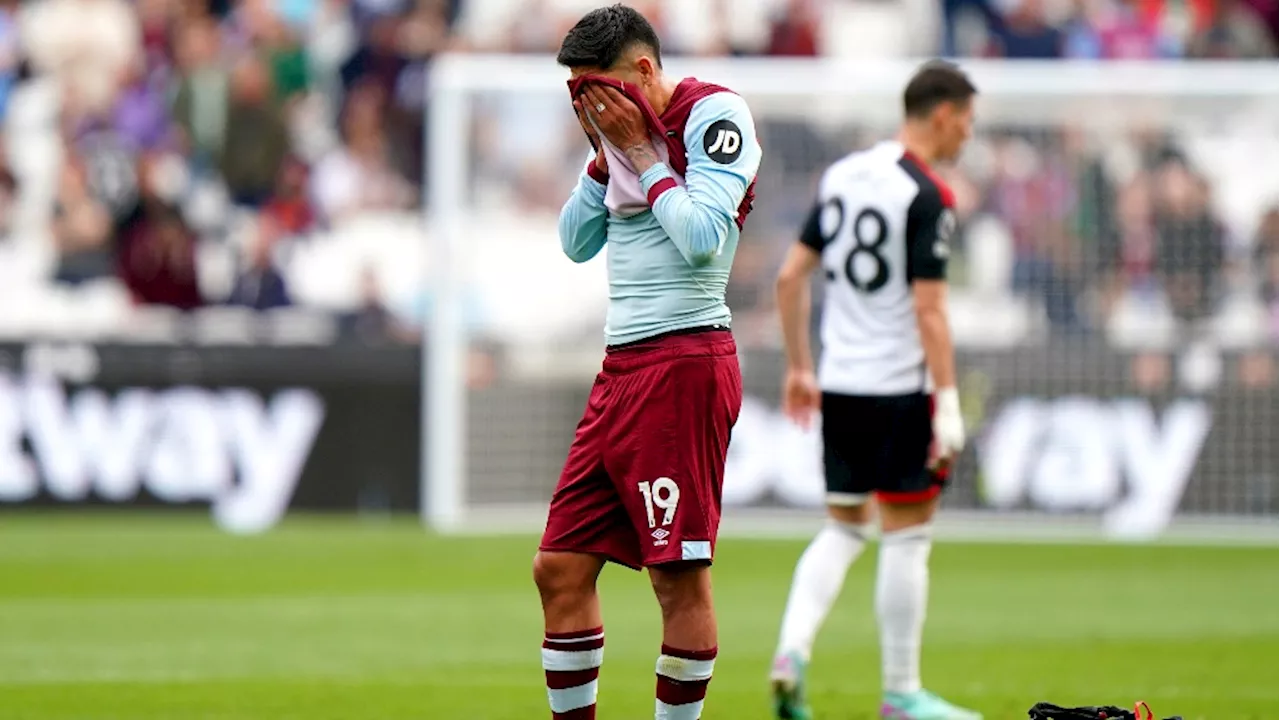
column 573, row 646
column 567, row 585
column 689, row 638
column 815, row 586
column 668, row 451
column 586, row 524
column 849, row 443
column 902, row 596
column 907, row 504
column 902, row 591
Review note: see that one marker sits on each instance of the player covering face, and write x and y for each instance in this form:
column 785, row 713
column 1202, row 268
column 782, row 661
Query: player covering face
column 891, row 422
column 666, row 186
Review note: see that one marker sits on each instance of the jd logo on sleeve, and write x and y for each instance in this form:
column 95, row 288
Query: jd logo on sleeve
column 722, row 141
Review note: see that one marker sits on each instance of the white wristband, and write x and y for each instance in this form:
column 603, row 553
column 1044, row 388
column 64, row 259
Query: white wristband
column 946, row 401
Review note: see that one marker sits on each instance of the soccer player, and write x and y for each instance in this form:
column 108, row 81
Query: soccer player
column 891, row 419
column 667, row 189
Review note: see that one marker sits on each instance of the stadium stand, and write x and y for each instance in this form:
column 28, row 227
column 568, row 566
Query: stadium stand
column 266, row 156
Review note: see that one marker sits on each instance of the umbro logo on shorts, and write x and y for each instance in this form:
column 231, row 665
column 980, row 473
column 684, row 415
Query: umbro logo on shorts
column 660, row 537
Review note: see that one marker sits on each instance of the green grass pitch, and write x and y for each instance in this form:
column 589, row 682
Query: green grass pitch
column 144, row 617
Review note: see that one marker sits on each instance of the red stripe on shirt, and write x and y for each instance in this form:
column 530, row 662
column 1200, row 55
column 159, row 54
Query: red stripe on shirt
column 660, row 187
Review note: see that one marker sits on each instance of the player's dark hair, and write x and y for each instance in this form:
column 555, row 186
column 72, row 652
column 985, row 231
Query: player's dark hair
column 603, row 35
column 937, row 82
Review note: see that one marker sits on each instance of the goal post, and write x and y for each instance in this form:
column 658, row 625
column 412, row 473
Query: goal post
column 444, row 406
column 1062, row 188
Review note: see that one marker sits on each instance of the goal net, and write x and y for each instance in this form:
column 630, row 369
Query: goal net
column 1113, row 305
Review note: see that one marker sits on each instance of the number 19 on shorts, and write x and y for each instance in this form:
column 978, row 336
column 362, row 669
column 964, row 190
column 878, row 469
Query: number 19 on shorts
column 663, row 495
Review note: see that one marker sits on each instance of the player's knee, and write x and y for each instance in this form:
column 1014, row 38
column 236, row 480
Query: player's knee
column 562, row 575
column 900, row 516
column 682, row 588
column 859, row 514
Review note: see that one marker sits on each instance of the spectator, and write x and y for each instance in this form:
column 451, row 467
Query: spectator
column 261, row 286
column 1034, row 194
column 256, row 140
column 157, row 257
column 794, row 32
column 278, row 46
column 158, row 263
column 289, row 206
column 1120, row 31
column 1267, row 12
column 1135, row 243
column 1093, row 221
column 1025, row 34
column 1266, row 255
column 84, row 44
column 1235, row 31
column 330, row 40
column 81, row 230
column 8, row 192
column 424, row 31
column 367, row 13
column 1190, row 242
column 358, row 176
column 110, row 167
column 965, row 24
column 378, row 59
column 10, row 50
column 154, row 20
column 297, row 15
column 371, row 322
column 200, row 105
column 141, row 115
column 534, row 29
column 1080, row 38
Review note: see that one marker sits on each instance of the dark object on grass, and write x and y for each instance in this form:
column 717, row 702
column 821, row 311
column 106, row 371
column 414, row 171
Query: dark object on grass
column 1046, row 711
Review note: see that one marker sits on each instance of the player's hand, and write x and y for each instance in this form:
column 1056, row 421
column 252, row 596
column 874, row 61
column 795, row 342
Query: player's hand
column 948, row 427
column 621, row 121
column 592, row 135
column 801, row 398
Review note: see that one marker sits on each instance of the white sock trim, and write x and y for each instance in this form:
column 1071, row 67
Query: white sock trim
column 562, row 701
column 924, row 531
column 688, row 711
column 571, row 661
column 856, row 531
column 684, row 669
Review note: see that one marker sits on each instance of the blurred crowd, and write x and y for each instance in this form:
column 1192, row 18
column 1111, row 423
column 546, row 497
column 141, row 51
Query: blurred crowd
column 1111, row 29
column 185, row 153
column 1115, row 236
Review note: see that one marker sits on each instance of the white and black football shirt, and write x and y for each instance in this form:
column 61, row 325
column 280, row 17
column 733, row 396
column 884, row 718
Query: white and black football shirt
column 882, row 220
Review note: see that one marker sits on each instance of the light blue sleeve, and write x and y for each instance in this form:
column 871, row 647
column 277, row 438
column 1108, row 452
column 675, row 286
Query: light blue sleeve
column 584, row 219
column 724, row 156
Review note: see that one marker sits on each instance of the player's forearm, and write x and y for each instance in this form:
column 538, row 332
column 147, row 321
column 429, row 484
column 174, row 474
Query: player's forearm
column 583, row 221
column 696, row 225
column 642, row 157
column 939, row 354
column 794, row 308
